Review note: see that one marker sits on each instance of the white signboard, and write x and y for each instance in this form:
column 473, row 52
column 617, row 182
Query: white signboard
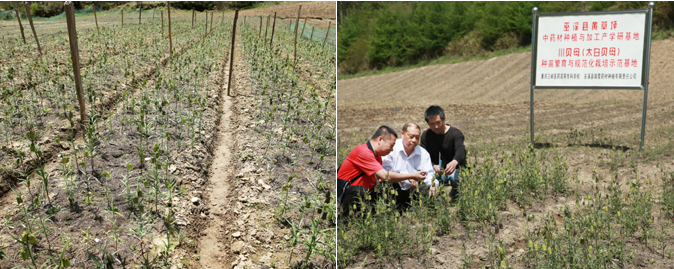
column 599, row 50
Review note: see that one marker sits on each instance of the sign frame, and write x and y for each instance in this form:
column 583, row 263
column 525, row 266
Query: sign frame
column 648, row 13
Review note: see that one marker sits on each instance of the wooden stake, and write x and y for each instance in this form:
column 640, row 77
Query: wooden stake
column 122, row 17
column 304, row 26
column 266, row 28
column 206, row 29
column 96, row 18
column 327, row 33
column 312, row 33
column 244, row 19
column 260, row 33
column 168, row 4
column 75, row 55
column 212, row 14
column 296, row 25
column 222, row 20
column 162, row 23
column 231, row 56
column 30, row 19
column 273, row 26
column 140, row 14
column 18, row 17
column 192, row 18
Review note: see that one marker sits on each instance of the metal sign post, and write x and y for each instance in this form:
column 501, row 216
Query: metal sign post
column 591, row 50
column 647, row 62
column 533, row 65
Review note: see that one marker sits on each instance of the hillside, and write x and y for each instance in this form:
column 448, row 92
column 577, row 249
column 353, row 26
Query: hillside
column 498, row 80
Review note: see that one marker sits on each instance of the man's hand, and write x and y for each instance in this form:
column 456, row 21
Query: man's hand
column 419, row 175
column 451, row 166
column 414, row 184
column 432, row 190
column 437, row 169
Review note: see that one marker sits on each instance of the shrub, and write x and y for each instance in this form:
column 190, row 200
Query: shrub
column 468, row 45
column 46, row 9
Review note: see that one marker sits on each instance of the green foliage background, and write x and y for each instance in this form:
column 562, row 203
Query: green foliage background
column 375, row 35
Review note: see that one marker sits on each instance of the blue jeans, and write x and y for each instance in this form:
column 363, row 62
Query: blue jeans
column 451, row 179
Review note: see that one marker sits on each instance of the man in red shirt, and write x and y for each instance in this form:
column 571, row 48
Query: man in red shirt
column 363, row 168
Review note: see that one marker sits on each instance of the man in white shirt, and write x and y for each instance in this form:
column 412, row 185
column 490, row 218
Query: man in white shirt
column 408, row 157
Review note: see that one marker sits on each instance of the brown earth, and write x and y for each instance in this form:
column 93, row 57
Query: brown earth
column 588, row 127
column 191, row 167
column 497, row 80
column 239, row 228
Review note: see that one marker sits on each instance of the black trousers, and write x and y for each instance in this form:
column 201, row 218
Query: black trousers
column 405, row 197
column 353, row 197
column 354, row 194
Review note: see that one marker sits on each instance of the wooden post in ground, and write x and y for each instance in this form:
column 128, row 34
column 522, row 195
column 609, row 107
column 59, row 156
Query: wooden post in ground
column 168, row 5
column 327, row 32
column 192, row 18
column 122, row 17
column 260, row 33
column 96, row 18
column 140, row 14
column 304, row 26
column 266, row 28
column 222, row 20
column 206, row 28
column 212, row 14
column 75, row 55
column 311, row 37
column 244, row 19
column 18, row 17
column 162, row 23
column 231, row 56
column 273, row 26
column 30, row 20
column 296, row 25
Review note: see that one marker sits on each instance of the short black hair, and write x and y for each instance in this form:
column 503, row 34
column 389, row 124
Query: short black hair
column 433, row 111
column 385, row 132
column 410, row 124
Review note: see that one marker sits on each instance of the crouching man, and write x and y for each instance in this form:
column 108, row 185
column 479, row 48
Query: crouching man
column 363, row 168
column 408, row 157
column 445, row 145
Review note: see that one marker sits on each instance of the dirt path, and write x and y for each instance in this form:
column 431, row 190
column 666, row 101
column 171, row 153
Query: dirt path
column 211, row 248
column 211, row 252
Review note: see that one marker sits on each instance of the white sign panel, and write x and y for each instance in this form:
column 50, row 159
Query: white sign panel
column 604, row 50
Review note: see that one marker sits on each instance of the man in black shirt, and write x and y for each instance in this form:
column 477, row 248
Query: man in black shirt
column 445, row 145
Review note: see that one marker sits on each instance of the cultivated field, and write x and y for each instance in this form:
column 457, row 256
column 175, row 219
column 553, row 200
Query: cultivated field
column 583, row 198
column 168, row 171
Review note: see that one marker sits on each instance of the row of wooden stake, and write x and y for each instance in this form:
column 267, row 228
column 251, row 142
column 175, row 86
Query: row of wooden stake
column 32, row 27
column 74, row 50
column 289, row 26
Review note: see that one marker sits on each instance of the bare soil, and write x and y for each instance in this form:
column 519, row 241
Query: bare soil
column 497, row 80
column 89, row 224
column 239, row 228
column 488, row 101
